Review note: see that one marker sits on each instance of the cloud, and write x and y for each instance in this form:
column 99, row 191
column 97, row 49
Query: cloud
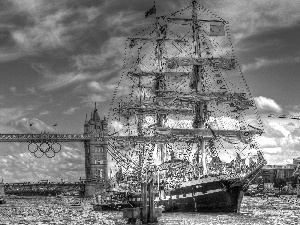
column 10, row 54
column 124, row 22
column 44, row 113
column 95, row 86
column 263, row 62
column 280, row 142
column 267, row 142
column 250, row 17
column 109, row 56
column 275, row 150
column 39, row 26
column 32, row 7
column 31, row 90
column 70, row 111
column 54, row 82
column 19, row 165
column 8, row 115
column 90, row 99
column 275, row 129
column 47, row 32
column 100, row 87
column 13, row 89
column 267, row 105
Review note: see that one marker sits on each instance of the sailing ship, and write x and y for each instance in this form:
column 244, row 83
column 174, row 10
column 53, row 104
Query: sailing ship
column 184, row 117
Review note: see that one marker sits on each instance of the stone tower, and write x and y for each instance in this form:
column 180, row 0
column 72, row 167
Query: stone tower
column 96, row 154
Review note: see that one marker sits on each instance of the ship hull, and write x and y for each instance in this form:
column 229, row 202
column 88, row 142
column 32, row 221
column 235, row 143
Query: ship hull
column 202, row 195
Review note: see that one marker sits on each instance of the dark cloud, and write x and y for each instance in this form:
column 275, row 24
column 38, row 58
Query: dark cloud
column 272, row 42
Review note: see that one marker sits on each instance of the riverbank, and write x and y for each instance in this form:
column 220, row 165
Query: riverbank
column 53, row 211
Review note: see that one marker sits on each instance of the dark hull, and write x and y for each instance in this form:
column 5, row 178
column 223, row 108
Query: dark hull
column 203, row 195
column 111, row 207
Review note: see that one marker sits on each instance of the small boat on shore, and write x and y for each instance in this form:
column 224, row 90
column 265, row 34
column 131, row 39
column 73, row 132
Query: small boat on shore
column 111, row 202
column 75, row 204
column 118, row 206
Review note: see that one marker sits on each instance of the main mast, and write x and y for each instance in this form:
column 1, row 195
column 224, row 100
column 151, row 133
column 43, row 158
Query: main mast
column 199, row 106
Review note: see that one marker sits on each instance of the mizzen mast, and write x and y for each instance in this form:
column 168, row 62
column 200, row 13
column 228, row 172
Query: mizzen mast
column 159, row 88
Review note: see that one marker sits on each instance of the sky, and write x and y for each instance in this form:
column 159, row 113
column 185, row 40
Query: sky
column 59, row 57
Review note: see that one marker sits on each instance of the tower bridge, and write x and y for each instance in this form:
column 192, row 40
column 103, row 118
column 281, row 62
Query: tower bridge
column 95, row 148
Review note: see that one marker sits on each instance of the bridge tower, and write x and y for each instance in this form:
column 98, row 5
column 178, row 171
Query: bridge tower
column 96, row 165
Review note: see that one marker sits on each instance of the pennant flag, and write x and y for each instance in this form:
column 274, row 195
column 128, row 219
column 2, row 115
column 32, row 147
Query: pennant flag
column 150, row 11
column 216, row 30
column 163, row 30
column 228, row 64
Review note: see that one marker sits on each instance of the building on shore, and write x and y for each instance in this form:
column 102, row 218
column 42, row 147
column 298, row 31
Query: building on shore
column 270, row 173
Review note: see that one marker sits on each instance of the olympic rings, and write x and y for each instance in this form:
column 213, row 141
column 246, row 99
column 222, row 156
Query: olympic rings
column 41, row 148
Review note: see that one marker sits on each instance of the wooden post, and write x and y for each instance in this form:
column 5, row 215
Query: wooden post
column 298, row 190
column 151, row 202
column 144, row 203
column 240, row 198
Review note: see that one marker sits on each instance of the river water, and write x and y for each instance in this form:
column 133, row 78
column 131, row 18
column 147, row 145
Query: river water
column 254, row 210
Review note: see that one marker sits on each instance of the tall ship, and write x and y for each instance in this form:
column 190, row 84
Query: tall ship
column 183, row 115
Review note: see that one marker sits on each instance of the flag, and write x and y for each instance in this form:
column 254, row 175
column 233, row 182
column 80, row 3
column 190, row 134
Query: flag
column 228, row 64
column 216, row 30
column 163, row 30
column 172, row 63
column 150, row 11
column 246, row 137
